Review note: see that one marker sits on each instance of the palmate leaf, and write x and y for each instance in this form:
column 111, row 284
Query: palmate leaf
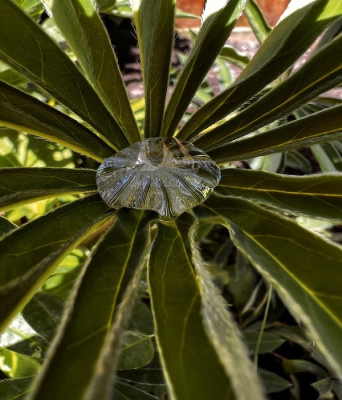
column 24, row 113
column 218, row 20
column 30, row 254
column 28, row 49
column 82, row 27
column 316, row 196
column 154, row 21
column 92, row 311
column 19, row 186
column 322, row 72
column 302, row 19
column 320, row 127
column 303, row 268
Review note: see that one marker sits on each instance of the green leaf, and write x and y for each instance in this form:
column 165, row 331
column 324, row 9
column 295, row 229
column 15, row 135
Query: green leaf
column 151, row 374
column 319, row 127
column 17, row 365
column 141, row 319
column 298, row 366
column 322, row 72
column 324, row 388
column 302, row 267
column 6, row 226
column 154, row 21
column 19, row 186
column 15, row 389
column 92, row 314
column 30, row 254
column 124, row 391
column 269, row 342
column 223, row 334
column 278, row 52
column 273, row 383
column 231, row 55
column 328, row 158
column 43, row 314
column 25, row 113
column 137, row 351
column 317, row 196
column 257, row 21
column 82, row 27
column 191, row 366
column 218, row 21
column 27, row 48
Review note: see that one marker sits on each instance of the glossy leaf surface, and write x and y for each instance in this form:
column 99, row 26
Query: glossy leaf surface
column 30, row 254
column 20, row 186
column 94, row 304
column 299, row 264
column 218, row 20
column 25, row 113
column 154, row 21
column 316, row 128
column 53, row 70
column 304, row 20
column 317, row 196
column 191, row 366
column 82, row 27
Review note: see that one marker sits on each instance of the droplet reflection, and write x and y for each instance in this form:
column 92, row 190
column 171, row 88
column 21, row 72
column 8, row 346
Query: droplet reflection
column 164, row 175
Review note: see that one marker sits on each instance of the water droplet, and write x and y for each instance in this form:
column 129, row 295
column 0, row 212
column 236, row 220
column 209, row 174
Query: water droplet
column 165, row 175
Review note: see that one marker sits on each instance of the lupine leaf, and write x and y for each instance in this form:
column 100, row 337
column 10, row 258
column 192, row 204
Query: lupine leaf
column 316, row 196
column 302, row 267
column 24, row 113
column 15, row 389
column 224, row 336
column 43, row 314
column 92, row 310
column 257, row 21
column 30, row 254
column 28, row 49
column 320, row 127
column 6, row 226
column 218, row 20
column 82, row 27
column 137, row 351
column 302, row 19
column 154, row 21
column 230, row 54
column 124, row 391
column 192, row 368
column 273, row 382
column 322, row 72
column 19, row 186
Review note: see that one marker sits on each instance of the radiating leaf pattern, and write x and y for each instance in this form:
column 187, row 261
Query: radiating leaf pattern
column 20, row 186
column 298, row 263
column 318, row 196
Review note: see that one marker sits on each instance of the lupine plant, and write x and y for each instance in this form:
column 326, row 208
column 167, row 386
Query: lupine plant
column 150, row 247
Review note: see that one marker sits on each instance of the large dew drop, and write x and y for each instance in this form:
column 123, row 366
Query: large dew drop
column 164, row 175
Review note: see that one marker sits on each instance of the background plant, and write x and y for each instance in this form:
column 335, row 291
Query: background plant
column 83, row 105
